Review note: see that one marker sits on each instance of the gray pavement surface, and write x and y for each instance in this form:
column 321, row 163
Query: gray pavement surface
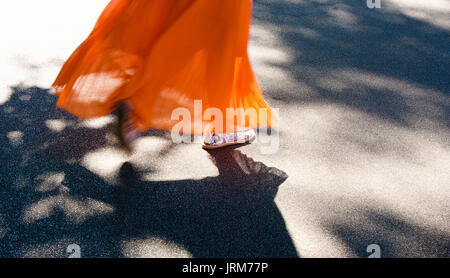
column 364, row 152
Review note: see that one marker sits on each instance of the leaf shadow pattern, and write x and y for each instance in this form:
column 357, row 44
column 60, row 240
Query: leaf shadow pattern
column 396, row 236
column 49, row 201
column 377, row 61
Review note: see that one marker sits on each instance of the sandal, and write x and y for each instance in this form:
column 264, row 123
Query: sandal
column 220, row 140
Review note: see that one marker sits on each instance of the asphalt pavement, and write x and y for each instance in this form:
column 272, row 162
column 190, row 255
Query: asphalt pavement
column 364, row 154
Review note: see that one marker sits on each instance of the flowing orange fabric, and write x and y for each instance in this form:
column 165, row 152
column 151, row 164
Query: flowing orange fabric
column 160, row 55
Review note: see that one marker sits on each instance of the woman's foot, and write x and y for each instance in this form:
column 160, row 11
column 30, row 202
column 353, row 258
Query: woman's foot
column 220, row 140
column 126, row 131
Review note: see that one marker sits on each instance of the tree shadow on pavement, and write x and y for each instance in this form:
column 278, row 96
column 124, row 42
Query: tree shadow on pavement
column 397, row 237
column 380, row 63
column 49, row 200
column 377, row 61
column 377, row 71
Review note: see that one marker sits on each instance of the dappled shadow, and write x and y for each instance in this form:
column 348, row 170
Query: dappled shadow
column 397, row 237
column 40, row 174
column 49, row 200
column 389, row 70
column 377, row 61
column 359, row 86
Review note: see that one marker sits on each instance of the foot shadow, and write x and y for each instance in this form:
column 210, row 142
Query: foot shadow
column 49, row 200
column 230, row 216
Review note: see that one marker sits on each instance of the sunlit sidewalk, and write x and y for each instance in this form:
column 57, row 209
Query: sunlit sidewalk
column 364, row 155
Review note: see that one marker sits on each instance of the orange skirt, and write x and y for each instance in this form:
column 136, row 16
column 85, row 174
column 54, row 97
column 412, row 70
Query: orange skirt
column 162, row 55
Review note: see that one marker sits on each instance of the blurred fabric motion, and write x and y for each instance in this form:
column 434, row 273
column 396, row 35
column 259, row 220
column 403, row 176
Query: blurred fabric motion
column 161, row 55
